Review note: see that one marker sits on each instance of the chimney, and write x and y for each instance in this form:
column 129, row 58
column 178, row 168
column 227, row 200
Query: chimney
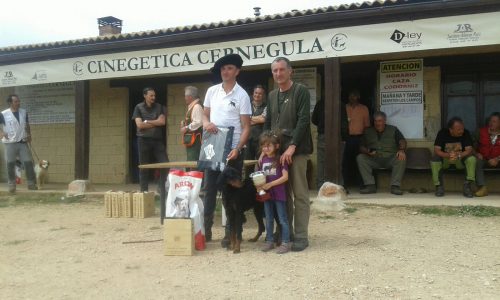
column 256, row 11
column 109, row 25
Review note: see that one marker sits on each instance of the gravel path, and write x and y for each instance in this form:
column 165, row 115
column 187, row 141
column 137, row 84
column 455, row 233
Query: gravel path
column 70, row 251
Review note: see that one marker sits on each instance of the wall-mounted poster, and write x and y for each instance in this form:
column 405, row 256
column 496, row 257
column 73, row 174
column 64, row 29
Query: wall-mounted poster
column 307, row 77
column 52, row 103
column 402, row 95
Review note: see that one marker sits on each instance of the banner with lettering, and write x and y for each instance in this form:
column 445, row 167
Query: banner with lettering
column 396, row 37
column 402, row 95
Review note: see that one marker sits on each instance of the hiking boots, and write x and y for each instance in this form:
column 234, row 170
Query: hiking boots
column 468, row 190
column 299, row 245
column 481, row 192
column 368, row 189
column 439, row 191
column 396, row 190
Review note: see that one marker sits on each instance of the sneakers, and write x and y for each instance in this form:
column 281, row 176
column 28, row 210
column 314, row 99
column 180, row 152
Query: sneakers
column 396, row 190
column 283, row 248
column 468, row 189
column 268, row 246
column 368, row 189
column 439, row 191
column 481, row 192
column 300, row 245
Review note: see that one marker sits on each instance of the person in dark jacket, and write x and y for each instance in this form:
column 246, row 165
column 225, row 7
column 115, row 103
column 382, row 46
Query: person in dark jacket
column 288, row 111
column 382, row 146
column 318, row 119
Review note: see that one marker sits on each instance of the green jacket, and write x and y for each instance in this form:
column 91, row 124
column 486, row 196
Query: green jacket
column 386, row 144
column 290, row 113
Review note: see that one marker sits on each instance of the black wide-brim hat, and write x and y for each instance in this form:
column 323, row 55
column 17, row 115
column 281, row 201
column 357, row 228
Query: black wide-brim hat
column 230, row 59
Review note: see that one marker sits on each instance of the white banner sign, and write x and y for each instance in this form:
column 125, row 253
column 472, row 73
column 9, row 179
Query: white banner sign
column 396, row 37
column 52, row 103
column 402, row 95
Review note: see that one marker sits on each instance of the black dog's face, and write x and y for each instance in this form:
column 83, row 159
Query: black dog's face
column 229, row 176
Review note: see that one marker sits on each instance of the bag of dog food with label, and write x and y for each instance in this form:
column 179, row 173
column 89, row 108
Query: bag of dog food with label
column 183, row 201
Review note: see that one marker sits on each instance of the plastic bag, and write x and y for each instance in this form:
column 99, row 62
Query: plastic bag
column 215, row 148
column 183, row 201
column 331, row 197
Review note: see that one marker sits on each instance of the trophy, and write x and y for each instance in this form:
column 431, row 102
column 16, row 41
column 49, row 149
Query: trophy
column 259, row 179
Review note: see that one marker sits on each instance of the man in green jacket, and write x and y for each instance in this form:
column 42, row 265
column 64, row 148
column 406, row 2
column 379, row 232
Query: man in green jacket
column 382, row 146
column 288, row 110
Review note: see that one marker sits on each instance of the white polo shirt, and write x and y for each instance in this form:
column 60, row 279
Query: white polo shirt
column 225, row 109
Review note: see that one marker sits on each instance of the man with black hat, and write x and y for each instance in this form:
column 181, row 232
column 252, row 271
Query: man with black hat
column 226, row 104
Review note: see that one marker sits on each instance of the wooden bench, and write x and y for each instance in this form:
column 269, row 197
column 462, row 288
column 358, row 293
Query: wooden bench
column 418, row 162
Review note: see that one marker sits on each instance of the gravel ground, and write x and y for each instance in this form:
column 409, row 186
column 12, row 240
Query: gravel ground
column 71, row 251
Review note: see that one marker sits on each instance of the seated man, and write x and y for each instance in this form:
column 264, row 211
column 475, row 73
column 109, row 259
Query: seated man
column 382, row 146
column 453, row 147
column 488, row 151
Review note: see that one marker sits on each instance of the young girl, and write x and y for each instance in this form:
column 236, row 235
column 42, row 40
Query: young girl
column 276, row 177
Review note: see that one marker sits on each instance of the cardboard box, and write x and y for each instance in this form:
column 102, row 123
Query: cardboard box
column 108, row 204
column 178, row 237
column 143, row 204
column 127, row 205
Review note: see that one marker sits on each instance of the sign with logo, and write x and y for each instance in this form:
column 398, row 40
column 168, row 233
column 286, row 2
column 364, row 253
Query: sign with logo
column 402, row 95
column 8, row 78
column 395, row 37
column 52, row 103
column 407, row 39
column 463, row 33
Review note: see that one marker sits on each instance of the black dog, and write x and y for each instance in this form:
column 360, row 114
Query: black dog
column 239, row 196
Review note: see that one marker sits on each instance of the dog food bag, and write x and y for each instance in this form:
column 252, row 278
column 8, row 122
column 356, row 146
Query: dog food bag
column 183, row 201
column 215, row 148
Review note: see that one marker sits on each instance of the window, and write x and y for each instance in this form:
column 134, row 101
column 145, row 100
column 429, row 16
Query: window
column 472, row 97
column 491, row 91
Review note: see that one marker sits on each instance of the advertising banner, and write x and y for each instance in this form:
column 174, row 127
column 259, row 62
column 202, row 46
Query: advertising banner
column 396, row 37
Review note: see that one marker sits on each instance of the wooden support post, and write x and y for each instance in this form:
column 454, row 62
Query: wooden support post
column 82, row 129
column 333, row 161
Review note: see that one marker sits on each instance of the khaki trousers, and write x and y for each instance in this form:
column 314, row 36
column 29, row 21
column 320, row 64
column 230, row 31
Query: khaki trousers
column 298, row 204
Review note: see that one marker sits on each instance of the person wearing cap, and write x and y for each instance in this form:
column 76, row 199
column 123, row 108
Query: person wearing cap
column 226, row 104
column 288, row 110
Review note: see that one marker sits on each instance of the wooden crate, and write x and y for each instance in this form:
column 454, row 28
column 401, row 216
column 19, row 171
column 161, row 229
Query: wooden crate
column 178, row 237
column 127, row 205
column 116, row 204
column 143, row 204
column 108, row 212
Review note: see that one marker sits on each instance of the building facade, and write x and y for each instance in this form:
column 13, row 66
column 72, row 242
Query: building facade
column 420, row 61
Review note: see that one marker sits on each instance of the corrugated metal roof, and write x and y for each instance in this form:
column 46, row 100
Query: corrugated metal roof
column 209, row 26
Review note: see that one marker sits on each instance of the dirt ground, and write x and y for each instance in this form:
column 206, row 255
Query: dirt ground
column 71, row 251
